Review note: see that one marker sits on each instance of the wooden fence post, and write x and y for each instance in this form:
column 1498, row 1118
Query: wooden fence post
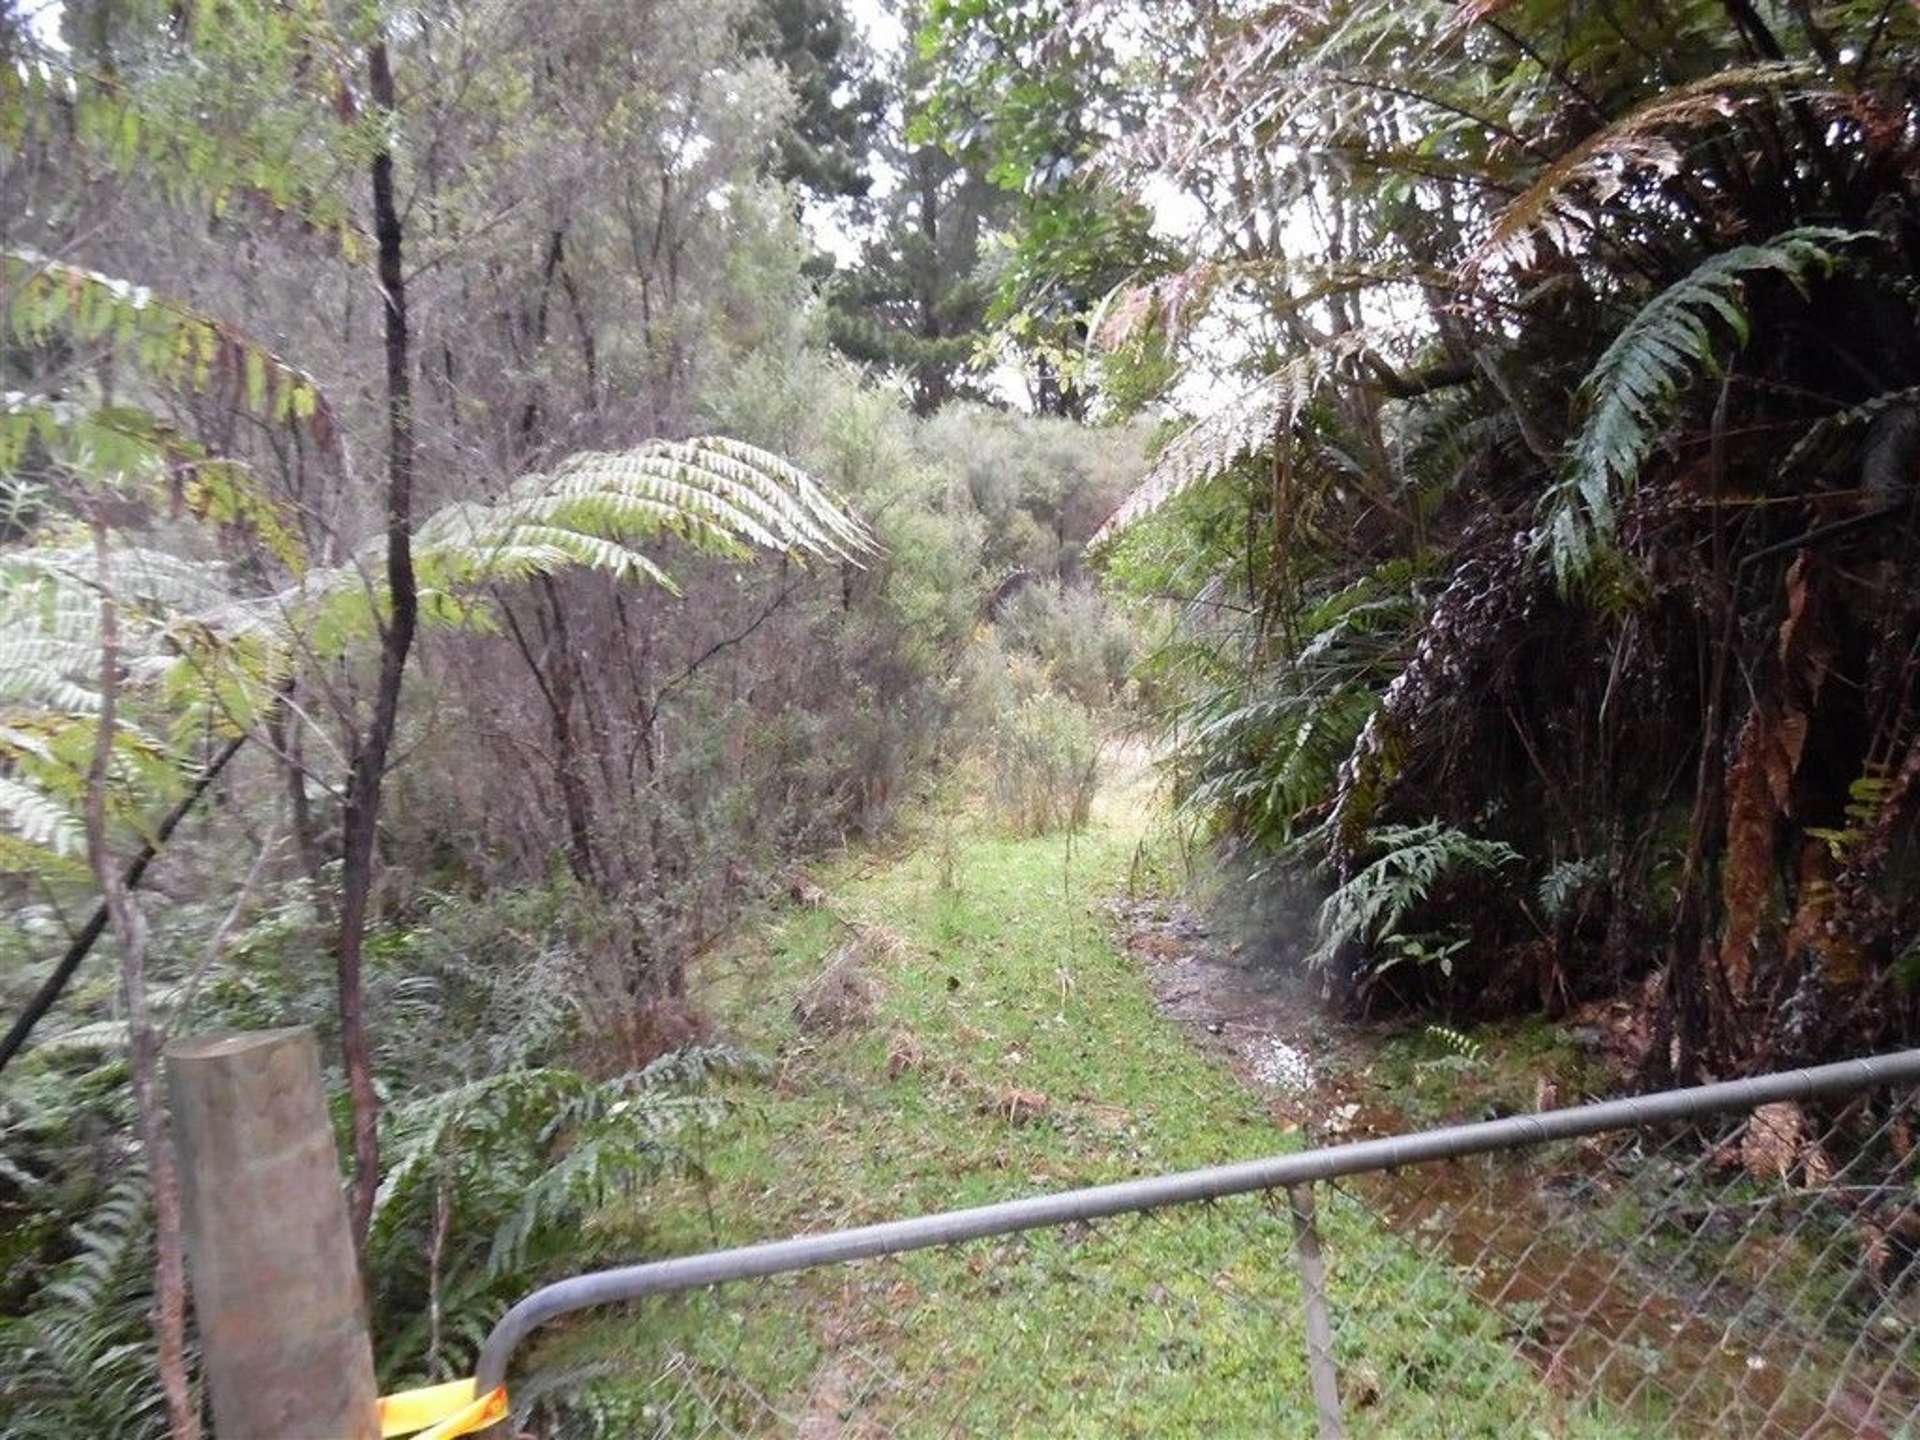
column 276, row 1286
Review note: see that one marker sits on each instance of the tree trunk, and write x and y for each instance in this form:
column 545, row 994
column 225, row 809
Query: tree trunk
column 576, row 796
column 369, row 758
column 285, row 740
column 169, row 1264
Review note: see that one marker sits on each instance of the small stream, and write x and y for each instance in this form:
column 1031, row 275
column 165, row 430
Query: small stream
column 1622, row 1282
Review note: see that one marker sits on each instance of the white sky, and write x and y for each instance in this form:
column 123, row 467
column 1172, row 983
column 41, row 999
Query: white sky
column 880, row 21
column 44, row 20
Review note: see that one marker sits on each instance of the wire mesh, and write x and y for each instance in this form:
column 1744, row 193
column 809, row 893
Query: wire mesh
column 1752, row 1276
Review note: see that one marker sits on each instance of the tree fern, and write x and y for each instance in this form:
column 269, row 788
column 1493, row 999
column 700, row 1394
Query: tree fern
column 208, row 660
column 1629, row 394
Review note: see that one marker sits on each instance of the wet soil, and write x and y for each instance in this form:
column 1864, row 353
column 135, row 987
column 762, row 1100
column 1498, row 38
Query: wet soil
column 1710, row 1357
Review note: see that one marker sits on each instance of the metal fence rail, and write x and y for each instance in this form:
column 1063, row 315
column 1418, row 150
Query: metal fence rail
column 1696, row 1261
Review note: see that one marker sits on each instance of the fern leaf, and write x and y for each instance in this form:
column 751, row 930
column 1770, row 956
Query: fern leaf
column 167, row 341
column 1252, row 423
column 1565, row 883
column 1866, row 413
column 1629, row 394
column 39, row 819
column 1375, row 903
column 719, row 496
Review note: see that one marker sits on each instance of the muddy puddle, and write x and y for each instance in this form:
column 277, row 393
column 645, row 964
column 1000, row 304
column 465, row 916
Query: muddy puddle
column 1610, row 1268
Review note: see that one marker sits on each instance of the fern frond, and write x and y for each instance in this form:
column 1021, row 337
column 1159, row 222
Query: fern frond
column 1633, row 141
column 1463, row 1046
column 1565, row 883
column 1258, row 419
column 1628, row 395
column 39, row 819
column 80, row 1359
column 1828, row 427
column 165, row 340
column 142, row 578
column 717, row 495
column 139, row 453
column 587, row 1178
column 522, row 1158
column 1373, row 905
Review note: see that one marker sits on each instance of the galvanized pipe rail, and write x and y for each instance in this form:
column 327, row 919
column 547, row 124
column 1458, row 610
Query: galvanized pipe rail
column 805, row 1252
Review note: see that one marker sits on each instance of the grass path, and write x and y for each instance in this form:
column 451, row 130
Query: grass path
column 1010, row 1047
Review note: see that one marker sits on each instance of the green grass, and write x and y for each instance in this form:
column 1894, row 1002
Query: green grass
column 1182, row 1323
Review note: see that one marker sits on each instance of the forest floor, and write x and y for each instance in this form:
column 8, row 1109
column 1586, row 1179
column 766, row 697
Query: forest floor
column 968, row 1019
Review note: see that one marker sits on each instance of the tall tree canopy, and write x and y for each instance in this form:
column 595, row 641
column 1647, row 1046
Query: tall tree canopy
column 839, row 100
column 916, row 300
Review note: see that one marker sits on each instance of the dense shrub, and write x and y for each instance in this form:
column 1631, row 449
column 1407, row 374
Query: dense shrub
column 1085, row 643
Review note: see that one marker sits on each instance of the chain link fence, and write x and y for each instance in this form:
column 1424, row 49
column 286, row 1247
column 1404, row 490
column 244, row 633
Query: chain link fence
column 1739, row 1260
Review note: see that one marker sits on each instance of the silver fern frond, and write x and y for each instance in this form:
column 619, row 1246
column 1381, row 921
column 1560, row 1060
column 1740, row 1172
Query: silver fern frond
column 1254, row 422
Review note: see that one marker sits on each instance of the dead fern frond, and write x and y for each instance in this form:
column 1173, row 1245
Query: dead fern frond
column 1637, row 140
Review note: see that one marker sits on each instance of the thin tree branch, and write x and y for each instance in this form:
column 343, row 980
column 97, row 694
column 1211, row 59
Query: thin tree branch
column 77, row 950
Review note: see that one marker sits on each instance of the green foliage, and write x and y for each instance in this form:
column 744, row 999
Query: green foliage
column 1629, row 394
column 1041, row 749
column 1039, row 485
column 494, row 1142
column 1084, row 642
column 1460, row 1046
column 1035, row 1339
column 1467, row 264
column 209, row 662
column 839, row 102
column 247, row 552
column 1024, row 94
column 107, row 326
column 230, row 106
column 496, row 1177
column 1563, row 885
column 1867, row 797
column 79, row 1358
column 915, row 301
column 51, row 301
column 595, row 512
column 179, row 680
column 1413, row 861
